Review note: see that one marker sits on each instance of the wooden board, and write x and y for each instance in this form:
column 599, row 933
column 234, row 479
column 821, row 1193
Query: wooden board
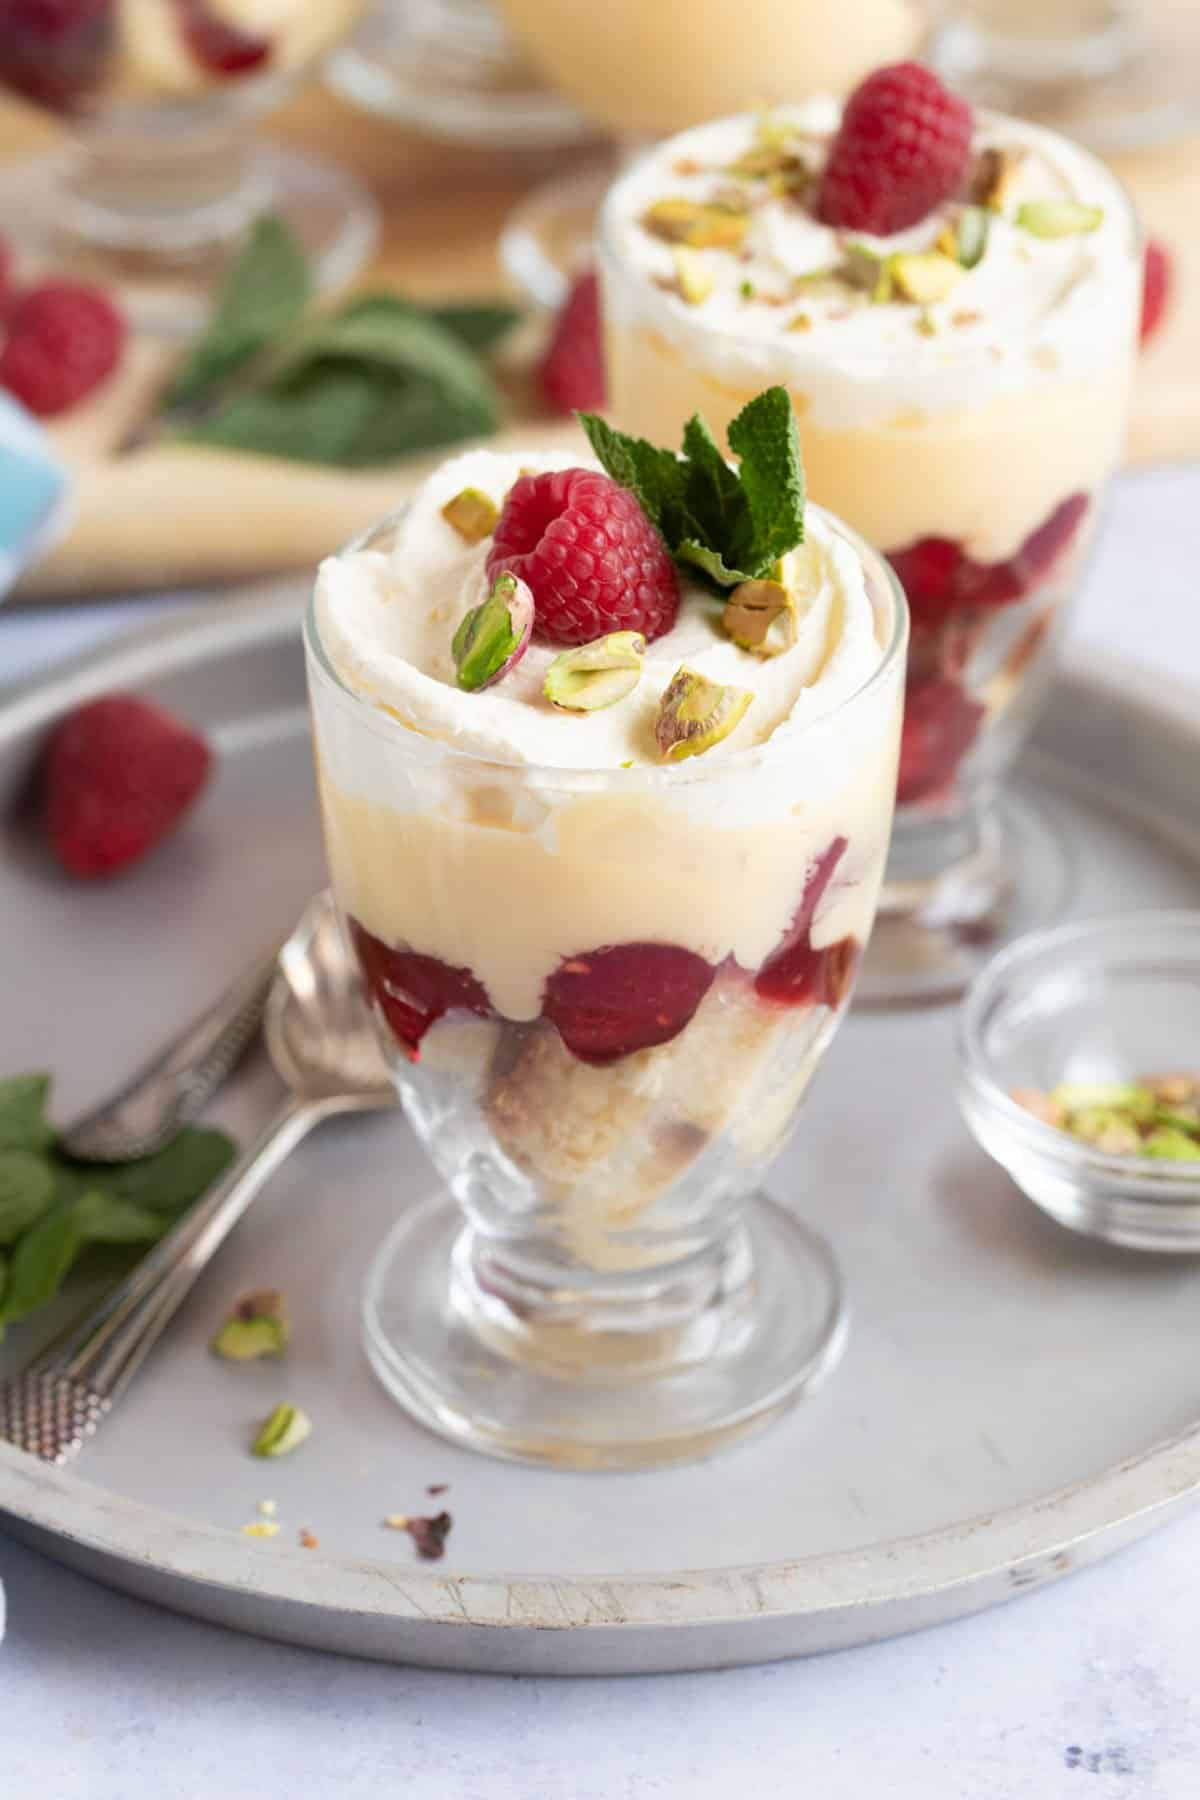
column 166, row 517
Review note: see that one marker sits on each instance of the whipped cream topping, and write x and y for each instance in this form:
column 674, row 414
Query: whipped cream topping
column 1033, row 309
column 386, row 618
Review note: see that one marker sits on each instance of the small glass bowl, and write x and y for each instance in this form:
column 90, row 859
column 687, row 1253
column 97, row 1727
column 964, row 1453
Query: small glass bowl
column 1110, row 999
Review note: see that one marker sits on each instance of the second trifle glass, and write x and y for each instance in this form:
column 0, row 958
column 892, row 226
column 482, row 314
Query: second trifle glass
column 604, row 990
column 961, row 388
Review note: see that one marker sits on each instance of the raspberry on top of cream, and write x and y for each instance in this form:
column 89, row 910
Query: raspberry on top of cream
column 1024, row 267
column 387, row 620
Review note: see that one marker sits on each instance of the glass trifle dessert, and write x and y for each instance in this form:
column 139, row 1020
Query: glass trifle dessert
column 606, row 753
column 951, row 302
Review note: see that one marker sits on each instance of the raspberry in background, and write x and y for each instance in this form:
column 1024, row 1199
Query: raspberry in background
column 63, row 340
column 572, row 371
column 119, row 775
column 902, row 148
column 52, row 51
column 593, row 561
column 1156, row 288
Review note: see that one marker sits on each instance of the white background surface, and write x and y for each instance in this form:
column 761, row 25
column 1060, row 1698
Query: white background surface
column 1086, row 1691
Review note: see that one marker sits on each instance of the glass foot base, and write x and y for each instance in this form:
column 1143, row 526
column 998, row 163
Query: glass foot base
column 933, row 935
column 552, row 232
column 1121, row 88
column 586, row 1385
column 163, row 262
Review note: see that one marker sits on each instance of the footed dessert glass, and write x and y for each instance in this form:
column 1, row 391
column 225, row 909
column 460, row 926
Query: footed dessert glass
column 969, row 438
column 162, row 176
column 599, row 1283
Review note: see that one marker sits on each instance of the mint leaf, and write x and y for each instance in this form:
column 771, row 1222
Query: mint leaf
column 732, row 524
column 106, row 1219
column 264, row 293
column 315, row 417
column 79, row 1204
column 710, row 563
column 169, row 1180
column 477, row 325
column 654, row 477
column 360, row 388
column 23, row 1122
column 26, row 1191
column 40, row 1261
column 771, row 475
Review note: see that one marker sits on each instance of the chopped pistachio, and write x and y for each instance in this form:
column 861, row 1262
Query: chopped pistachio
column 925, row 323
column 923, row 275
column 864, row 268
column 1128, row 1096
column 696, row 713
column 1109, row 1130
column 693, row 275
column 268, row 1508
column 830, row 275
column 596, row 675
column 1174, row 1090
column 1040, row 1105
column 971, row 236
column 491, row 639
column 257, row 1326
column 993, row 177
column 1058, row 218
column 746, row 290
column 473, row 514
column 282, row 1431
column 697, row 225
column 760, row 616
column 1171, row 1145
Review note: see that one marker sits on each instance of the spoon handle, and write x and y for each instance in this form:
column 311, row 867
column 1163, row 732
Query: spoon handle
column 53, row 1405
column 179, row 1078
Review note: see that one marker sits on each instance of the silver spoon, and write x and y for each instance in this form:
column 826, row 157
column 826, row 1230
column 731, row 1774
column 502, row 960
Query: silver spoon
column 322, row 1042
column 179, row 1079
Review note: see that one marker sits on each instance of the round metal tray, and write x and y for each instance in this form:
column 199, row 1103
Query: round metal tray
column 1013, row 1403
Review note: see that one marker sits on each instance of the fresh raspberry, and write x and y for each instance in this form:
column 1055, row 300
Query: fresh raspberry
column 941, row 721
column 52, row 51
column 624, row 998
column 797, row 974
column 593, row 561
column 1156, row 288
column 902, row 148
column 572, row 371
column 940, row 579
column 63, row 340
column 119, row 775
column 221, row 48
column 413, row 991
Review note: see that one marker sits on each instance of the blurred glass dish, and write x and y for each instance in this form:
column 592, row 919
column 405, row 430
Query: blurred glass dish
column 161, row 176
column 1108, row 1000
column 450, row 68
column 642, row 72
column 1116, row 74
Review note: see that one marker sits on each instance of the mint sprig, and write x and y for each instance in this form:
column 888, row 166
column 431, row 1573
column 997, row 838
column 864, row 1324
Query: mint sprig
column 733, row 524
column 380, row 376
column 52, row 1208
